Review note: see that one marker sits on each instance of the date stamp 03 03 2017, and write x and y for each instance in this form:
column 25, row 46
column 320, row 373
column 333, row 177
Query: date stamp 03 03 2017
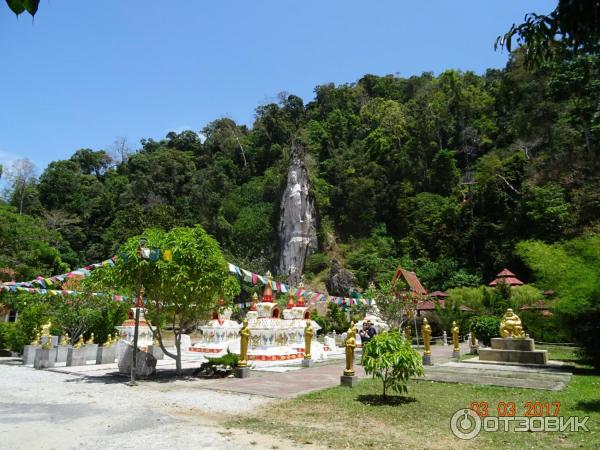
column 467, row 423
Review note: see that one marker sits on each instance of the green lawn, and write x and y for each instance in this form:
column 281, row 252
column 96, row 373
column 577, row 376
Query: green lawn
column 356, row 418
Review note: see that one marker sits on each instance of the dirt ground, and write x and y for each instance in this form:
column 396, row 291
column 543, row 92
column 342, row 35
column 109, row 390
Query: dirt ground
column 48, row 410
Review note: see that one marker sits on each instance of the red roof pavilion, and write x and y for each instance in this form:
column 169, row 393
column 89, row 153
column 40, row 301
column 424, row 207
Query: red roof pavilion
column 506, row 276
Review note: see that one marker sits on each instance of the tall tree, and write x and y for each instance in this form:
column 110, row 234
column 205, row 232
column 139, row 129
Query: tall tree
column 184, row 275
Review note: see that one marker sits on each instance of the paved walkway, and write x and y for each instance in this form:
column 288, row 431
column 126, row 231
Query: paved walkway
column 547, row 378
column 286, row 384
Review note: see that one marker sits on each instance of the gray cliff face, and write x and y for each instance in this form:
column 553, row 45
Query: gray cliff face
column 297, row 222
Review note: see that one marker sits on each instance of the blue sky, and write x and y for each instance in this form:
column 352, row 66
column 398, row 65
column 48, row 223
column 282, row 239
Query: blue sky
column 86, row 72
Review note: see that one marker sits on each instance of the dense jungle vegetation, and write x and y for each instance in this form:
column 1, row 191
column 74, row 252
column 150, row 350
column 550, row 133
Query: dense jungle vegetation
column 442, row 174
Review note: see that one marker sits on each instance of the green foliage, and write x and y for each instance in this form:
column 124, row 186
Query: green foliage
column 572, row 28
column 6, row 331
column 317, row 263
column 451, row 313
column 389, row 357
column 548, row 211
column 18, row 6
column 180, row 290
column 485, row 328
column 392, row 310
column 572, row 270
column 27, row 247
column 33, row 313
column 221, row 365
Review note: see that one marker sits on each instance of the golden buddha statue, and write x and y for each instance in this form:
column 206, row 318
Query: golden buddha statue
column 36, row 340
column 91, row 339
column 47, row 345
column 80, row 342
column 244, row 338
column 510, row 325
column 108, row 341
column 308, row 334
column 65, row 339
column 46, row 329
column 455, row 332
column 426, row 330
column 350, row 344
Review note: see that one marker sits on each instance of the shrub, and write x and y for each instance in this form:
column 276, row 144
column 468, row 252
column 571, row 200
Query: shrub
column 389, row 357
column 485, row 328
column 221, row 366
column 6, row 330
column 316, row 263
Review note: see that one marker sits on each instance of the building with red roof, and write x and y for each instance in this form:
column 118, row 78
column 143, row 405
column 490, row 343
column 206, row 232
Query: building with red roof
column 506, row 276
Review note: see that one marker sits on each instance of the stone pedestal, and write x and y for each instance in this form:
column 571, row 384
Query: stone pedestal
column 76, row 356
column 53, row 339
column 307, row 363
column 145, row 363
column 29, row 354
column 427, row 360
column 44, row 358
column 106, row 355
column 157, row 352
column 509, row 350
column 62, row 352
column 349, row 380
column 456, row 354
column 241, row 372
column 90, row 351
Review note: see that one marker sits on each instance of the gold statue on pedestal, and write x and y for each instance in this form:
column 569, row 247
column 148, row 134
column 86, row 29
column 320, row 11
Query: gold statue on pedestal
column 91, row 339
column 455, row 332
column 308, row 334
column 350, row 344
column 80, row 342
column 46, row 329
column 36, row 340
column 65, row 339
column 510, row 325
column 244, row 338
column 108, row 341
column 426, row 330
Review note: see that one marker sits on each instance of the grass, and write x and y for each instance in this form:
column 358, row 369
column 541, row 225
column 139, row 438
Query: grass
column 359, row 418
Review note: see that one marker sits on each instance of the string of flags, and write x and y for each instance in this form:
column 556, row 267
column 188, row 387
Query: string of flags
column 45, row 286
column 59, row 292
column 312, row 297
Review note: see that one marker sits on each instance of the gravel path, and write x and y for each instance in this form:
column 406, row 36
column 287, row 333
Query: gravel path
column 48, row 410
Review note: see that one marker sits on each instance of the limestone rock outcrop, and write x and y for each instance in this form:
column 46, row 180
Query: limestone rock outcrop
column 297, row 221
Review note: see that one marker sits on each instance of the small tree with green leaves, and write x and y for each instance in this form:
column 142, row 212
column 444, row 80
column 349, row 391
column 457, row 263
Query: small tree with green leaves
column 389, row 357
column 181, row 288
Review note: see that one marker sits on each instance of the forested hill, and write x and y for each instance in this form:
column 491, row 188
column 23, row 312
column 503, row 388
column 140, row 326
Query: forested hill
column 443, row 174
